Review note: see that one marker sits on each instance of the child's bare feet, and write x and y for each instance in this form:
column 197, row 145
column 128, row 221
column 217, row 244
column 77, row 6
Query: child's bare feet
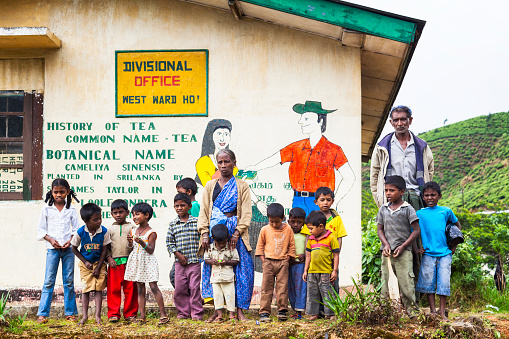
column 98, row 320
column 313, row 317
column 211, row 319
column 240, row 315
column 83, row 320
column 442, row 314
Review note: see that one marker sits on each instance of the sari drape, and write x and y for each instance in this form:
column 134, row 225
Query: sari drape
column 244, row 272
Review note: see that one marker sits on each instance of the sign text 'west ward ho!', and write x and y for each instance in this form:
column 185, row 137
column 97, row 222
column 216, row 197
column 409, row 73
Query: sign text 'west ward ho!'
column 161, row 83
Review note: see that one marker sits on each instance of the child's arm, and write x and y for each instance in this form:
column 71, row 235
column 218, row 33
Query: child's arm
column 260, row 245
column 415, row 233
column 340, row 243
column 97, row 270
column 211, row 262
column 52, row 241
column 229, row 263
column 334, row 274
column 291, row 248
column 75, row 225
column 77, row 253
column 182, row 258
column 149, row 245
column 306, row 265
column 381, row 235
column 109, row 258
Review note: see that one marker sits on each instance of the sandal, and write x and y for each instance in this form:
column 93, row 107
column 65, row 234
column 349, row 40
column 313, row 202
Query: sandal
column 233, row 318
column 113, row 319
column 140, row 321
column 218, row 320
column 70, row 318
column 130, row 319
column 162, row 321
column 296, row 316
column 42, row 320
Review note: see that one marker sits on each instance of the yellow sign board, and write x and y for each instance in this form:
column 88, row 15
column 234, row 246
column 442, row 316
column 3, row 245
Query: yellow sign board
column 161, row 83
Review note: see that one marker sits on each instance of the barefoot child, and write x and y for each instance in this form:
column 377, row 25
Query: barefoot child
column 222, row 277
column 93, row 239
column 189, row 187
column 142, row 264
column 117, row 255
column 296, row 286
column 398, row 227
column 183, row 241
column 322, row 261
column 275, row 248
column 57, row 223
column 435, row 273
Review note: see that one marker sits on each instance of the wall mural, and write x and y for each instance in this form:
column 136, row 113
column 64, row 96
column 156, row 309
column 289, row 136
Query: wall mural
column 314, row 161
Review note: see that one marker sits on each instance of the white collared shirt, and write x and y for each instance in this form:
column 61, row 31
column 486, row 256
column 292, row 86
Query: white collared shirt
column 403, row 162
column 60, row 225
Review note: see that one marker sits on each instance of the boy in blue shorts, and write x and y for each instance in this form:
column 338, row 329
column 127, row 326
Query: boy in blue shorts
column 324, row 198
column 435, row 273
column 398, row 227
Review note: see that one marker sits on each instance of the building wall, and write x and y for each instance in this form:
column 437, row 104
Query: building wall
column 257, row 72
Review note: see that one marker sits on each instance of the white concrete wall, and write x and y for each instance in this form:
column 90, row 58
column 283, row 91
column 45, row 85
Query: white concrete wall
column 257, row 72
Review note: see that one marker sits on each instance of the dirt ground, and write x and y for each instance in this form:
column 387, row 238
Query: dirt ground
column 460, row 326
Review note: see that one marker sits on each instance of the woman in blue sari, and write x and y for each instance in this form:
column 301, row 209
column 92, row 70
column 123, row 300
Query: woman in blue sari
column 227, row 201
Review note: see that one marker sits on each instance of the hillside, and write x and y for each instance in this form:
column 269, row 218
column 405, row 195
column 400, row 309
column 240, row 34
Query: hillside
column 471, row 162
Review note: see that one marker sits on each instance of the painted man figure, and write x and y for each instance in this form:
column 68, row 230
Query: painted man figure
column 314, row 161
column 402, row 153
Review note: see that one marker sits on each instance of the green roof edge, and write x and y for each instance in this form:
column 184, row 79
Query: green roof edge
column 344, row 15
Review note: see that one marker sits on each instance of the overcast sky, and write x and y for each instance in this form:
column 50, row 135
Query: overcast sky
column 460, row 68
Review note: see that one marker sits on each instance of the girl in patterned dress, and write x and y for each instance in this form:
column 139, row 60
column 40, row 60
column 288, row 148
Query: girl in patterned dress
column 142, row 264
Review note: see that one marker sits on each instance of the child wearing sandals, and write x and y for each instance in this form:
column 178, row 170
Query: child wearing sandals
column 142, row 264
column 222, row 277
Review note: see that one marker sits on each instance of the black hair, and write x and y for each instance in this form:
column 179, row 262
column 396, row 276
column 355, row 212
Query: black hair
column 219, row 232
column 184, row 197
column 402, row 109
column 323, row 119
column 276, row 210
column 88, row 210
column 431, row 185
column 316, row 218
column 61, row 182
column 119, row 203
column 323, row 191
column 144, row 208
column 397, row 181
column 297, row 212
column 229, row 152
column 207, row 146
column 188, row 184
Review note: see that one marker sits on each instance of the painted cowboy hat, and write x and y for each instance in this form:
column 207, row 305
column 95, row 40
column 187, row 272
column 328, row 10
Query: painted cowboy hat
column 311, row 106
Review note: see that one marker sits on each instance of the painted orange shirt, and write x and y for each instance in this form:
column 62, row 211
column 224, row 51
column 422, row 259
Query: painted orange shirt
column 312, row 168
